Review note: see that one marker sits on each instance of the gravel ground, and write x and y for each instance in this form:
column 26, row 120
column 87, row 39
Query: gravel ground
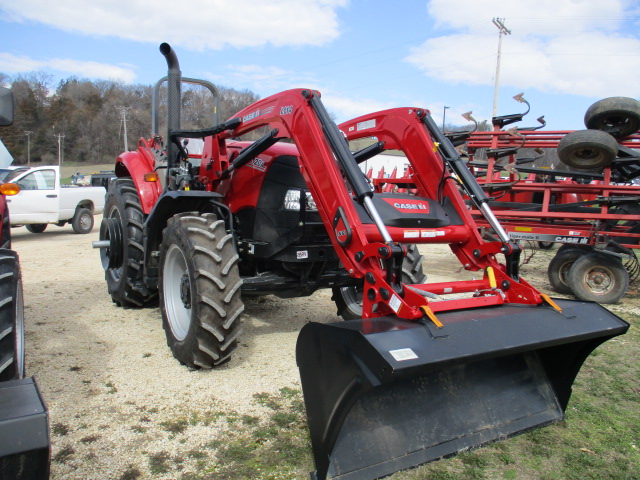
column 109, row 379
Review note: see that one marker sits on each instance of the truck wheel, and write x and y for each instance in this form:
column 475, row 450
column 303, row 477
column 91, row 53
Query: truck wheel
column 619, row 116
column 199, row 287
column 37, row 227
column 82, row 221
column 587, row 149
column 598, row 277
column 122, row 225
column 11, row 318
column 349, row 299
column 559, row 266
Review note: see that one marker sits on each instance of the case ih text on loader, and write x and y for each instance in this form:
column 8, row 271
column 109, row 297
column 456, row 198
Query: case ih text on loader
column 414, row 375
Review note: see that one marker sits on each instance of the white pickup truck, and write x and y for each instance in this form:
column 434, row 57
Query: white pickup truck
column 42, row 200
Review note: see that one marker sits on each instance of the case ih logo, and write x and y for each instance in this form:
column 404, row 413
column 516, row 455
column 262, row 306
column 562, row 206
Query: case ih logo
column 409, row 205
column 258, row 113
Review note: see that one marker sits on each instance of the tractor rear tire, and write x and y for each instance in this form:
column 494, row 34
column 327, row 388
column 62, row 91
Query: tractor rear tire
column 618, row 116
column 122, row 206
column 598, row 277
column 199, row 287
column 587, row 149
column 11, row 318
column 348, row 300
column 37, row 227
column 82, row 221
column 559, row 266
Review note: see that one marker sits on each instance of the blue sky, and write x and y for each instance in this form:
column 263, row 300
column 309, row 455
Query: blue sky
column 363, row 55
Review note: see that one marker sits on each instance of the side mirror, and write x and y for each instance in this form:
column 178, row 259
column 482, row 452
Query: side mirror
column 6, row 107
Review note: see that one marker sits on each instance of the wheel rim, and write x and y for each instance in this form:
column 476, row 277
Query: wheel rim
column 106, row 254
column 599, row 280
column 352, row 296
column 563, row 273
column 177, row 292
column 85, row 221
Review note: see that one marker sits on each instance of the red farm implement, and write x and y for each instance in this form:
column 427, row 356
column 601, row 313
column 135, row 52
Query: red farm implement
column 589, row 202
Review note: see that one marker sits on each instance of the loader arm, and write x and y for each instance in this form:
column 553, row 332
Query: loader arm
column 340, row 189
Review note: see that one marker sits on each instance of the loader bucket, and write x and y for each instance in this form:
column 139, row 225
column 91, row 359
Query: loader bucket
column 387, row 394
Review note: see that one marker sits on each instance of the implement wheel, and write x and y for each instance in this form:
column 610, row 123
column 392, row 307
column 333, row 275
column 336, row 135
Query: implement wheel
column 11, row 318
column 122, row 226
column 199, row 290
column 349, row 299
column 598, row 277
column 559, row 266
column 618, row 116
column 587, row 149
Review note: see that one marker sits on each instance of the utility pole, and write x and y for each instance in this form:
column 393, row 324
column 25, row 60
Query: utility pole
column 123, row 111
column 444, row 114
column 498, row 22
column 27, row 133
column 60, row 137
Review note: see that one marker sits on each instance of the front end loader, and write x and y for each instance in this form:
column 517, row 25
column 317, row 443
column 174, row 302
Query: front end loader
column 426, row 370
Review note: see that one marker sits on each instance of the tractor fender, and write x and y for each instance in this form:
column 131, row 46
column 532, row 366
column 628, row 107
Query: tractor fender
column 170, row 204
column 135, row 165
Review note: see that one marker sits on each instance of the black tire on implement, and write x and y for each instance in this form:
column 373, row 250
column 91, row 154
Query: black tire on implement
column 199, row 287
column 598, row 277
column 348, row 300
column 559, row 266
column 587, row 149
column 82, row 221
column 618, row 116
column 37, row 227
column 123, row 206
column 11, row 317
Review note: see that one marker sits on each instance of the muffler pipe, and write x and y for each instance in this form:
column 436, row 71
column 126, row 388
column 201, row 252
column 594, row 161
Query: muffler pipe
column 174, row 96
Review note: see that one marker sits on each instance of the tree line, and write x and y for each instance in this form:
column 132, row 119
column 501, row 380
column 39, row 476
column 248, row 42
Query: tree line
column 84, row 121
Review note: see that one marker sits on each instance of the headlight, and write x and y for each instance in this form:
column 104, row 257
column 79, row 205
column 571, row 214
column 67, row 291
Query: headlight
column 292, row 201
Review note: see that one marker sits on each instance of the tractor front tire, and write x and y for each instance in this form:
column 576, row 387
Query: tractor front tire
column 124, row 211
column 199, row 287
column 598, row 277
column 82, row 221
column 11, row 317
column 348, row 300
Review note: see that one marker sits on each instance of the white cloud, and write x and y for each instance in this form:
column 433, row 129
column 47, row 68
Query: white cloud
column 196, row 25
column 10, row 63
column 347, row 108
column 582, row 49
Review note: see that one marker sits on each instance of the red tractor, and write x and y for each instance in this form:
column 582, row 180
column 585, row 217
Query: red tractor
column 419, row 371
column 24, row 425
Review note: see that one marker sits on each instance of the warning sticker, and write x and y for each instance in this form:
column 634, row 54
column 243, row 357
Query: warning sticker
column 411, row 233
column 395, row 303
column 402, row 354
column 365, row 125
